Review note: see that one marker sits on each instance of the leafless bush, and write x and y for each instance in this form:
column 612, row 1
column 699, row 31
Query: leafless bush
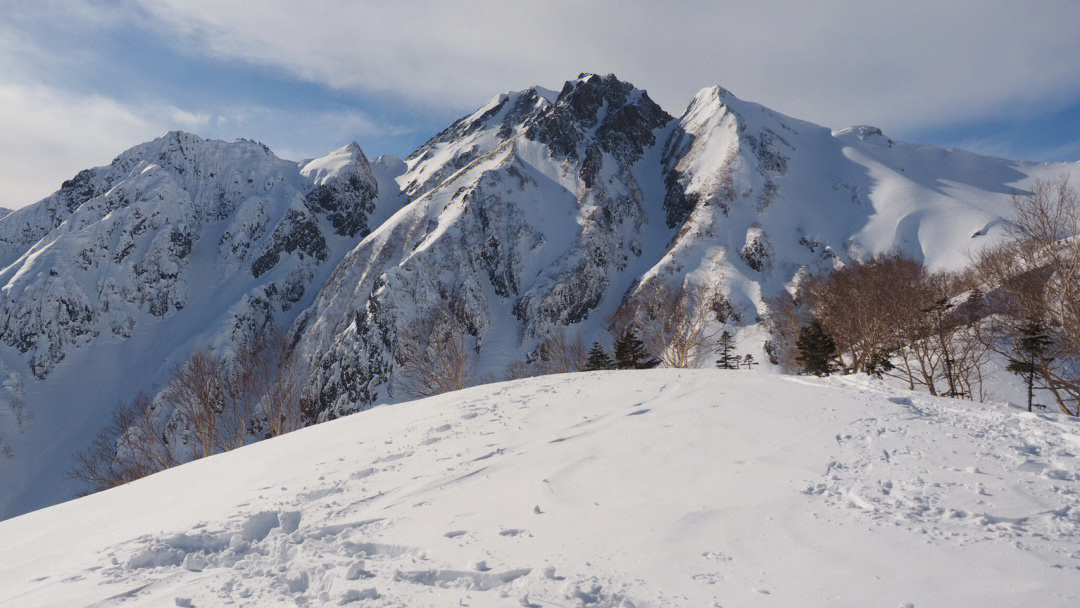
column 128, row 448
column 436, row 353
column 889, row 316
column 283, row 403
column 785, row 316
column 215, row 403
column 197, row 393
column 1035, row 278
column 676, row 322
column 515, row 370
column 560, row 353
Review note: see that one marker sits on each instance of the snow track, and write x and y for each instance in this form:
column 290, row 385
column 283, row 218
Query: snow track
column 645, row 489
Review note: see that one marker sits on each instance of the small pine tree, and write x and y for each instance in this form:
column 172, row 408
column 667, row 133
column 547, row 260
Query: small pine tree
column 749, row 362
column 1031, row 350
column 726, row 349
column 630, row 352
column 816, row 350
column 880, row 363
column 598, row 359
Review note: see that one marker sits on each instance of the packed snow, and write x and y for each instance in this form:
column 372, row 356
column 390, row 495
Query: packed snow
column 607, row 489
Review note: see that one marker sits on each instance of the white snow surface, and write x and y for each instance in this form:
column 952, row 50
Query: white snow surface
column 609, row 489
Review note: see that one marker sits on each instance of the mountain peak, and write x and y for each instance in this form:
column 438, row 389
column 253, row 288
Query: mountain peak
column 347, row 160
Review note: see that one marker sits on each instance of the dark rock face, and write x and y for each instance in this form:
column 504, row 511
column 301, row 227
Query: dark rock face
column 347, row 203
column 119, row 242
column 521, row 181
column 604, row 112
column 299, row 234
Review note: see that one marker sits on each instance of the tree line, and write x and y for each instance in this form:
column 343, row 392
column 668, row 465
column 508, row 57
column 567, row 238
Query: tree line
column 662, row 324
column 1018, row 302
column 210, row 404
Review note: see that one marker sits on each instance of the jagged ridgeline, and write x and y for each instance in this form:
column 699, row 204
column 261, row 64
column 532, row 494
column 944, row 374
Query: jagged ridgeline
column 535, row 216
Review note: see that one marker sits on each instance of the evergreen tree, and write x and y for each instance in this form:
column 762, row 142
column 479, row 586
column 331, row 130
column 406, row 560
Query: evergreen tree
column 880, row 363
column 598, row 359
column 749, row 362
column 726, row 349
column 630, row 352
column 816, row 350
column 1031, row 348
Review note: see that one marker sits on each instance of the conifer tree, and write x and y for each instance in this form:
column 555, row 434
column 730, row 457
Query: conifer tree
column 749, row 362
column 630, row 352
column 726, row 349
column 598, row 359
column 816, row 350
column 1031, row 350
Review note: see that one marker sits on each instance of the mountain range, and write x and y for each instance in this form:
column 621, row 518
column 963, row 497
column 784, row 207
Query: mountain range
column 540, row 213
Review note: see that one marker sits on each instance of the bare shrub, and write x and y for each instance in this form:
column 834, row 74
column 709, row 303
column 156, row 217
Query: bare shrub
column 675, row 322
column 1035, row 279
column 785, row 317
column 436, row 353
column 560, row 353
column 197, row 393
column 216, row 404
column 283, row 404
column 128, row 448
column 888, row 315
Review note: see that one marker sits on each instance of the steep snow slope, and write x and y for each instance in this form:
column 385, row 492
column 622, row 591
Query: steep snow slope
column 550, row 218
column 179, row 243
column 647, row 489
column 541, row 213
column 760, row 197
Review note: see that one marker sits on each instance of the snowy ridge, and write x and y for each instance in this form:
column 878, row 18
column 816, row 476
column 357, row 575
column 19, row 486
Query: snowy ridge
column 551, row 212
column 532, row 235
column 616, row 489
column 179, row 243
column 540, row 213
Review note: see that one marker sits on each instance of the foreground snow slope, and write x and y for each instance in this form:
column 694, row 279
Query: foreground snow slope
column 657, row 488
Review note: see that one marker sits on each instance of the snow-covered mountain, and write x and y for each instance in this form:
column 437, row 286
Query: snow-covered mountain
column 179, row 243
column 660, row 488
column 539, row 213
column 542, row 212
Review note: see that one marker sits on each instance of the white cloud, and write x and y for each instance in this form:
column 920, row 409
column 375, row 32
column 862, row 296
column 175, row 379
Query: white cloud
column 902, row 66
column 898, row 65
column 189, row 120
column 46, row 136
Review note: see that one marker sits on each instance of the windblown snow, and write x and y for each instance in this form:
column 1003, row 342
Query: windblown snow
column 610, row 489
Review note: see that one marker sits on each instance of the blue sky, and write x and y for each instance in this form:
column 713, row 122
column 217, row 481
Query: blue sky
column 82, row 80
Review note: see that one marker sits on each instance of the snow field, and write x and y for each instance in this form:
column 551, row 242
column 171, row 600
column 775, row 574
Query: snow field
column 610, row 489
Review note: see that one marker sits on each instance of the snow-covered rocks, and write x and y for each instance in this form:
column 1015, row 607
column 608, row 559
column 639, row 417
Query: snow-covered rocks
column 538, row 214
column 180, row 243
column 658, row 488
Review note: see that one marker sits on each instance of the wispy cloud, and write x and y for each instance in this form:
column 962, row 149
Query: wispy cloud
column 83, row 80
column 47, row 135
column 900, row 65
